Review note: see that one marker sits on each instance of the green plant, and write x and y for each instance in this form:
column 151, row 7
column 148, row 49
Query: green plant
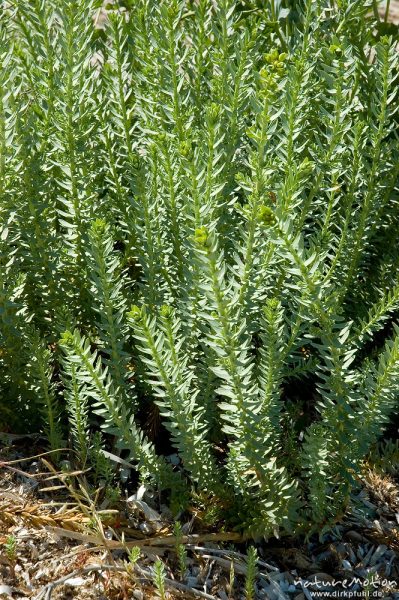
column 40, row 381
column 384, row 457
column 134, row 555
column 159, row 578
column 198, row 213
column 250, row 577
column 11, row 546
column 180, row 550
column 102, row 469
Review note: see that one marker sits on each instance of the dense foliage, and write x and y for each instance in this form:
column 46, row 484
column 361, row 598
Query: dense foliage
column 198, row 216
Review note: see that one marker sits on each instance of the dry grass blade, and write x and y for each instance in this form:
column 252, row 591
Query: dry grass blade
column 36, row 515
column 167, row 540
column 29, row 458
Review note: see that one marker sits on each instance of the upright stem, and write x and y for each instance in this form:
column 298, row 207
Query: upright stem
column 375, row 10
column 386, row 16
column 278, row 30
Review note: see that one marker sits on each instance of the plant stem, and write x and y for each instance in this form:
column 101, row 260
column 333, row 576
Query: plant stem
column 386, row 16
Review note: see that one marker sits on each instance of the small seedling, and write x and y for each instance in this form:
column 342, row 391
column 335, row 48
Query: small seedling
column 134, row 555
column 159, row 578
column 180, row 551
column 252, row 559
column 11, row 548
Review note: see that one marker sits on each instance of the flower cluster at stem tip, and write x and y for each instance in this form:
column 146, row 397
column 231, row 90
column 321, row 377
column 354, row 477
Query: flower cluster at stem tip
column 98, row 226
column 266, row 216
column 335, row 49
column 271, row 305
column 166, row 311
column 213, row 113
column 66, row 338
column 275, row 64
column 201, row 236
column 276, row 60
column 186, row 149
column 135, row 313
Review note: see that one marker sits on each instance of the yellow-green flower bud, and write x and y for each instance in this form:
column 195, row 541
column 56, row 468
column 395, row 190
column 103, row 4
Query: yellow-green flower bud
column 166, row 311
column 306, row 166
column 266, row 215
column 186, row 148
column 173, row 10
column 98, row 226
column 135, row 313
column 66, row 338
column 335, row 49
column 201, row 236
column 272, row 56
column 240, row 177
column 271, row 304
